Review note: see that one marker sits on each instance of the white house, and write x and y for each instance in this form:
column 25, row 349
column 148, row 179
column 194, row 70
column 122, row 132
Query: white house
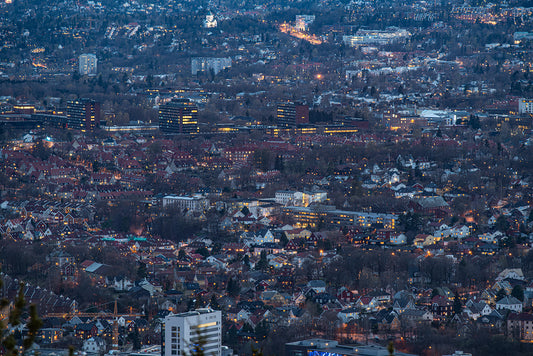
column 511, row 273
column 510, row 303
column 490, row 238
column 475, row 310
column 346, row 315
column 94, row 345
column 215, row 262
column 263, row 236
column 460, row 232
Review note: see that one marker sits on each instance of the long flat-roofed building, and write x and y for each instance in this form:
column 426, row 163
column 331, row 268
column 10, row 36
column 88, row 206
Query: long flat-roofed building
column 322, row 347
column 313, row 215
column 195, row 203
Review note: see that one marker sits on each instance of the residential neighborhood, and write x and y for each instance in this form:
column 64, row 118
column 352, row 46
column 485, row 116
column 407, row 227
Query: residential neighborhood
column 287, row 178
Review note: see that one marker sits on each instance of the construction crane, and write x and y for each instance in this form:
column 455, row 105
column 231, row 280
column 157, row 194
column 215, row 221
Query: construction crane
column 114, row 316
column 71, row 314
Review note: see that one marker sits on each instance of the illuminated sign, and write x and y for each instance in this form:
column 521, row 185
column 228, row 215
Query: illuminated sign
column 322, row 353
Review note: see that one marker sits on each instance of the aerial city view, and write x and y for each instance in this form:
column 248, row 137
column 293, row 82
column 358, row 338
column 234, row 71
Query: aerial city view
column 266, row 177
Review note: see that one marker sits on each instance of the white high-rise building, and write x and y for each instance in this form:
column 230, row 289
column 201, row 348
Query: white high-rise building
column 525, row 106
column 200, row 64
column 303, row 22
column 88, row 64
column 185, row 332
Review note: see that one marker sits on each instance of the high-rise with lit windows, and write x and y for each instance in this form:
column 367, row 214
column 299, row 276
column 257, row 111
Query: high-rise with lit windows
column 179, row 116
column 187, row 333
column 83, row 114
column 290, row 114
column 88, row 64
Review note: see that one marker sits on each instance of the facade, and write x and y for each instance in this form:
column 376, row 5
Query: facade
column 210, row 21
column 88, row 64
column 204, row 64
column 520, row 326
column 83, row 114
column 525, row 106
column 376, row 37
column 291, row 114
column 94, row 345
column 303, row 21
column 510, row 303
column 184, row 332
column 188, row 203
column 329, row 216
column 294, row 198
column 179, row 116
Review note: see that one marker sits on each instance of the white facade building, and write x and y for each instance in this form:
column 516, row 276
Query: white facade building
column 195, row 203
column 525, row 106
column 376, row 37
column 184, row 332
column 217, row 65
column 289, row 197
column 303, row 22
column 210, row 21
column 95, row 345
column 88, row 64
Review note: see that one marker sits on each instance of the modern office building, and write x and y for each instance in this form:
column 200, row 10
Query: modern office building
column 291, row 114
column 83, row 114
column 185, row 333
column 179, row 116
column 88, row 64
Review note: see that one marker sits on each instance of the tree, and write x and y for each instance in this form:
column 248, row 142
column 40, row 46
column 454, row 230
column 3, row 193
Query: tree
column 390, row 348
column 262, row 264
column 96, row 166
column 518, row 292
column 214, row 303
column 41, row 151
column 246, row 261
column 262, row 329
column 283, row 240
column 233, row 288
column 142, row 271
column 203, row 251
column 457, row 306
column 197, row 348
column 501, row 223
column 7, row 335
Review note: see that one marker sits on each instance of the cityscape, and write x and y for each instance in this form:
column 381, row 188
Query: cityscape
column 274, row 178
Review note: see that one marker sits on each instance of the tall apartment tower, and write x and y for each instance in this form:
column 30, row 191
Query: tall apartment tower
column 291, row 114
column 179, row 116
column 83, row 114
column 185, row 333
column 525, row 106
column 88, row 64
